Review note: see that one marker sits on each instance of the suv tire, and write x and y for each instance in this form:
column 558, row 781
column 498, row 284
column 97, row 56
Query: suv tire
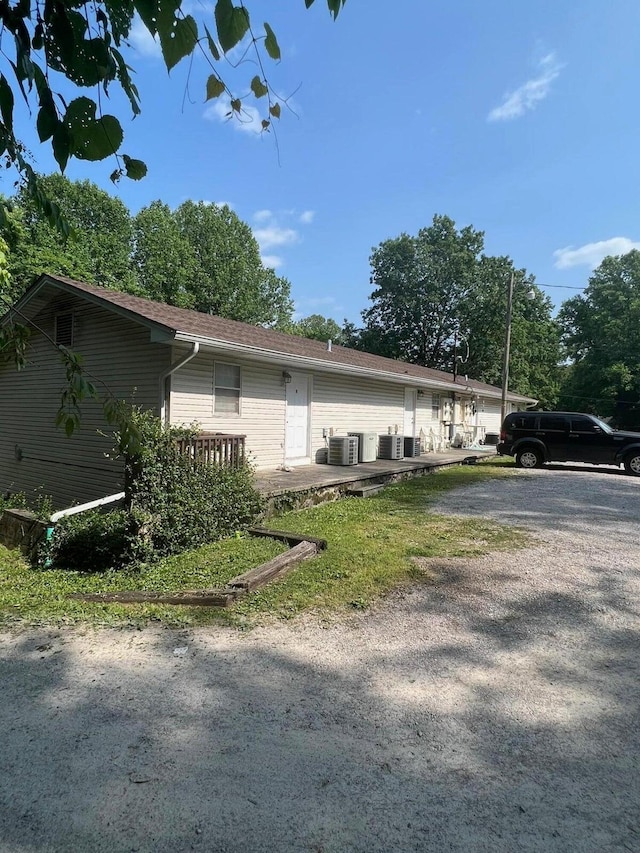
column 531, row 457
column 632, row 463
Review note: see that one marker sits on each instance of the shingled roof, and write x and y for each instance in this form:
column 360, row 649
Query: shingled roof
column 187, row 324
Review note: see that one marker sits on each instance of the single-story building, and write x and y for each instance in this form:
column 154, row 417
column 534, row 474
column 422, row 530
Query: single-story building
column 284, row 393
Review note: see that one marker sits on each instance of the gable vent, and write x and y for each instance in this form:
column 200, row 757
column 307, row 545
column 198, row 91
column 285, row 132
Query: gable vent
column 64, row 330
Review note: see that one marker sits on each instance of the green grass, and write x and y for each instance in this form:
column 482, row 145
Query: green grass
column 371, row 546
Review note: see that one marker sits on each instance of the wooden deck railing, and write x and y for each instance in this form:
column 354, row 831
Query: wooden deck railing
column 215, row 448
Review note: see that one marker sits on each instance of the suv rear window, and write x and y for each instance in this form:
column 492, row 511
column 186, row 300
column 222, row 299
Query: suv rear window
column 521, row 421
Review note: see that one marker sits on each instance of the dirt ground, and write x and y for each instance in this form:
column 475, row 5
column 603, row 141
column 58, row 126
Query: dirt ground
column 495, row 709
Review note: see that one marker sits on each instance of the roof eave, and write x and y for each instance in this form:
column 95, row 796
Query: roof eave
column 285, row 359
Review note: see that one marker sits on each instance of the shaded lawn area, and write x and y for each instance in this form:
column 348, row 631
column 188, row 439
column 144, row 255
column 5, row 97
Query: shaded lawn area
column 370, row 545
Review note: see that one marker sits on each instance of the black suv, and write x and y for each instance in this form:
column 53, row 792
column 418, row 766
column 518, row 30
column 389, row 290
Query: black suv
column 538, row 437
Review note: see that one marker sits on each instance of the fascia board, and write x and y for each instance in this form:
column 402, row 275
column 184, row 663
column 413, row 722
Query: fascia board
column 288, row 360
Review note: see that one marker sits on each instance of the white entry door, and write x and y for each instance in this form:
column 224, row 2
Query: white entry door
column 410, row 398
column 297, row 424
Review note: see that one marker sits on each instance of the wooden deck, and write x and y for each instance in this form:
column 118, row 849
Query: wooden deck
column 339, row 479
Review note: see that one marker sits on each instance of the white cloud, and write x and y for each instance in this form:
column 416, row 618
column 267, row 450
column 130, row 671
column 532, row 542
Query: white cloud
column 273, row 235
column 217, row 203
column 592, row 254
column 528, row 96
column 141, row 40
column 271, row 261
column 273, row 232
column 249, row 120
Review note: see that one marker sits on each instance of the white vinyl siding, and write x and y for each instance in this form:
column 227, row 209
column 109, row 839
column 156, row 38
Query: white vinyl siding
column 337, row 403
column 489, row 414
column 262, row 412
column 80, row 468
column 345, row 405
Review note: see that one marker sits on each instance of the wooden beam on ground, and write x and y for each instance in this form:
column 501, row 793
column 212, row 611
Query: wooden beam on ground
column 188, row 598
column 225, row 596
column 280, row 565
column 291, row 539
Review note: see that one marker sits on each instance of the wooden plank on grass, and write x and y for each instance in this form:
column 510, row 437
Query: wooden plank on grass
column 193, row 597
column 290, row 538
column 280, row 565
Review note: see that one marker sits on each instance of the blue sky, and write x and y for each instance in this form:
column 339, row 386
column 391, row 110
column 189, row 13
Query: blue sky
column 520, row 119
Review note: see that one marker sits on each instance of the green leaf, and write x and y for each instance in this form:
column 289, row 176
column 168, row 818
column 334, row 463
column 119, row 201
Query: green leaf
column 91, row 139
column 213, row 47
column 148, row 11
column 37, row 42
column 6, row 103
column 179, row 40
column 236, row 105
column 232, row 23
column 258, row 88
column 47, row 122
column 136, row 169
column 61, row 144
column 271, row 43
column 275, row 110
column 335, row 6
column 215, row 87
column 127, row 84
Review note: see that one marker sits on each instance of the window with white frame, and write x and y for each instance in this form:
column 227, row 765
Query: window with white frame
column 435, row 407
column 226, row 389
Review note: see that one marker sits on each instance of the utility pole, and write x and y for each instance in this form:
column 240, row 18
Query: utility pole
column 507, row 348
column 455, row 354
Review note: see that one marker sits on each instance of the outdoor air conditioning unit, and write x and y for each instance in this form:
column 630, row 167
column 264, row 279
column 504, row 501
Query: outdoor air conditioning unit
column 411, row 446
column 343, row 450
column 391, row 447
column 367, row 446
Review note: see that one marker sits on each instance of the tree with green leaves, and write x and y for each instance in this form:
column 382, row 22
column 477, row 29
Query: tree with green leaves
column 535, row 352
column 230, row 278
column 55, row 51
column 441, row 302
column 601, row 333
column 165, row 262
column 318, row 328
column 97, row 250
column 419, row 284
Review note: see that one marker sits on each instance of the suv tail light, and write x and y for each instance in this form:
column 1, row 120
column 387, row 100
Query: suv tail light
column 503, row 435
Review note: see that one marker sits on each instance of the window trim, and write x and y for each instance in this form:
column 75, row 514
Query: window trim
column 237, row 414
column 436, row 407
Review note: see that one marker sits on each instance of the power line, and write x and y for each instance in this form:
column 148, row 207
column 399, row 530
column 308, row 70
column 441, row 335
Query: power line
column 559, row 286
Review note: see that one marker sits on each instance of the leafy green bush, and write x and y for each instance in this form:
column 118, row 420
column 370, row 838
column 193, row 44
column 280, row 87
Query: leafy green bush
column 15, row 500
column 177, row 502
column 41, row 505
column 92, row 541
column 172, row 503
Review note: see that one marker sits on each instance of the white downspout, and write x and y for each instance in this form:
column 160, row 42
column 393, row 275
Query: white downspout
column 195, row 349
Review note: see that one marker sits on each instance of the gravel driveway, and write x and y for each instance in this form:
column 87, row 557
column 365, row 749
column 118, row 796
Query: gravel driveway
column 493, row 710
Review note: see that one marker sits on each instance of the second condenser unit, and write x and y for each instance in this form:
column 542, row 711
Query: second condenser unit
column 367, row 446
column 391, row 447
